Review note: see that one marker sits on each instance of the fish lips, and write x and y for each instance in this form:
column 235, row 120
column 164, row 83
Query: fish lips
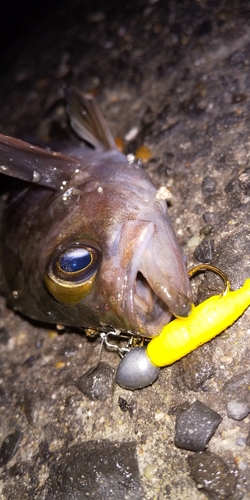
column 151, row 289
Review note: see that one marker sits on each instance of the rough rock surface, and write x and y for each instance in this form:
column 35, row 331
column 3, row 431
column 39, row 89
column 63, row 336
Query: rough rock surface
column 195, row 427
column 178, row 73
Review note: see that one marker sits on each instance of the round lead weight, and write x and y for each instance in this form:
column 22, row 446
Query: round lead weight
column 135, row 370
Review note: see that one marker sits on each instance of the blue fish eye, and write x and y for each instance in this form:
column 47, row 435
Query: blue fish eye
column 70, row 275
column 74, row 260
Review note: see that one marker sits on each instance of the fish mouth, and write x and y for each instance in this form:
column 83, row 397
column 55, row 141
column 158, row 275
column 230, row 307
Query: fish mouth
column 152, row 298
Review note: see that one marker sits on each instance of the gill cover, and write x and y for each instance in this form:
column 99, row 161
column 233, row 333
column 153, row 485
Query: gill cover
column 71, row 273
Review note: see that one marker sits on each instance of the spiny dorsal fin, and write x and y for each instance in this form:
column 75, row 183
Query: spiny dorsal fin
column 88, row 122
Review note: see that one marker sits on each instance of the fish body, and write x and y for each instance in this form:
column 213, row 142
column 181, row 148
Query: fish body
column 85, row 242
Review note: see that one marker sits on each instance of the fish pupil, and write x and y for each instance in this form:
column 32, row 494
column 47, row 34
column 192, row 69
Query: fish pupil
column 75, row 260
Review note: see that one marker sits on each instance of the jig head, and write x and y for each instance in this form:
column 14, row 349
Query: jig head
column 140, row 367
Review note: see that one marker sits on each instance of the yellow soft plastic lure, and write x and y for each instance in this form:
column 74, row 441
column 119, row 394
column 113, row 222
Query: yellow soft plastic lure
column 140, row 367
column 207, row 320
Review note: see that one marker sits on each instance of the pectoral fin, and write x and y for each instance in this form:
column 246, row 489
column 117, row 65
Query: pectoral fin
column 33, row 164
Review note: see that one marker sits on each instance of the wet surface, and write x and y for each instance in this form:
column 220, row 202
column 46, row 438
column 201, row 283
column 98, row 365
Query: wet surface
column 178, row 77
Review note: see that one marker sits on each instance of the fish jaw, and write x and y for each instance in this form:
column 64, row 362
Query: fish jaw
column 150, row 288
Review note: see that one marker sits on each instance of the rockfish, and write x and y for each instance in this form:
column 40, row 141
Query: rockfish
column 84, row 240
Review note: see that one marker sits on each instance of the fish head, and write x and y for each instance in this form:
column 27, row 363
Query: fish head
column 112, row 259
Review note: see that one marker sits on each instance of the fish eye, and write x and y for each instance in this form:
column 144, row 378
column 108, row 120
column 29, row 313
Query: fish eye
column 75, row 260
column 71, row 273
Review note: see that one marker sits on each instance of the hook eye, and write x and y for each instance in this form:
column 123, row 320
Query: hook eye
column 114, row 347
column 214, row 269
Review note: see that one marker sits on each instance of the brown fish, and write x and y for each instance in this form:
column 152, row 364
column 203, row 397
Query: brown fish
column 85, row 242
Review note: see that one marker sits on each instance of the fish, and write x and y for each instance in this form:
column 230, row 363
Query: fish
column 84, row 240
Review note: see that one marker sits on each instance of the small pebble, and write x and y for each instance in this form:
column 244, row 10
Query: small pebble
column 52, row 334
column 212, row 475
column 208, row 185
column 131, row 134
column 59, row 365
column 98, row 384
column 149, row 472
column 238, row 385
column 163, row 193
column 144, row 153
column 159, row 416
column 205, row 251
column 242, row 465
column 205, row 230
column 124, row 406
column 127, row 407
column 238, row 409
column 194, row 241
column 241, row 441
column 195, row 427
column 208, row 217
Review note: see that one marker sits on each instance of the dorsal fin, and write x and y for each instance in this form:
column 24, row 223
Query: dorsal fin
column 88, row 122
